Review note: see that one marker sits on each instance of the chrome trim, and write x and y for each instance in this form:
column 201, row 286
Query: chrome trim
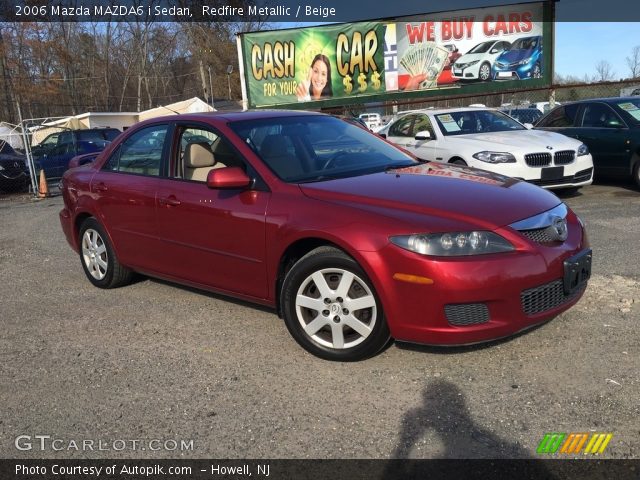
column 542, row 220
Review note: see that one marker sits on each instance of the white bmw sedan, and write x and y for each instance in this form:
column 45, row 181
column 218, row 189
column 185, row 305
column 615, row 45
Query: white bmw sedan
column 491, row 140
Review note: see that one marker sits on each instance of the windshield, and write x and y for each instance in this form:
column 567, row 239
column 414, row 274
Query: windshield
column 528, row 43
column 475, row 121
column 314, row 148
column 481, row 48
column 630, row 109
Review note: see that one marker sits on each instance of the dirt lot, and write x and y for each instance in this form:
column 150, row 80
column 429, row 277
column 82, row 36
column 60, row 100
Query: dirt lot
column 157, row 361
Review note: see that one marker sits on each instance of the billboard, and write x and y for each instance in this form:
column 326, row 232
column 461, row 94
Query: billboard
column 473, row 51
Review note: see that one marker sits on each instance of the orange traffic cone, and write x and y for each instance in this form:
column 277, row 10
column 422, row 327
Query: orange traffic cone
column 43, row 188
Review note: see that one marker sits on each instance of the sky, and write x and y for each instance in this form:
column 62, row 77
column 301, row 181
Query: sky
column 579, row 46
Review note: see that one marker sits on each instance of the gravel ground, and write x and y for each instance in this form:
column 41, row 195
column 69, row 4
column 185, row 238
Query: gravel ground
column 157, row 361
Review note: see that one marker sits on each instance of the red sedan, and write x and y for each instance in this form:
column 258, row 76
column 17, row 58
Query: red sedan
column 350, row 239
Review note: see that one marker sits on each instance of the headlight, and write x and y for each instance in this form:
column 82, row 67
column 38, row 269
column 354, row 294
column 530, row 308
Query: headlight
column 583, row 150
column 1, row 168
column 525, row 61
column 495, row 157
column 453, row 244
column 465, row 65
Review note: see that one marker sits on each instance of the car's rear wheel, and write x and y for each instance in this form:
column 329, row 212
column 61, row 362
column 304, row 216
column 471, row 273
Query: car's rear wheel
column 485, row 72
column 98, row 259
column 331, row 309
column 636, row 173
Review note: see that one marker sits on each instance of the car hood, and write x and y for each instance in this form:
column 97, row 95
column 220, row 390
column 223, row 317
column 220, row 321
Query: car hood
column 471, row 57
column 476, row 197
column 523, row 141
column 513, row 56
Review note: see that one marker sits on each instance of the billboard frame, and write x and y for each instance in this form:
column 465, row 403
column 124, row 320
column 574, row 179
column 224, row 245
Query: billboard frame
column 476, row 89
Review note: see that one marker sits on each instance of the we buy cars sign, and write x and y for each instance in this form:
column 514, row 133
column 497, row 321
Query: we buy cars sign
column 407, row 57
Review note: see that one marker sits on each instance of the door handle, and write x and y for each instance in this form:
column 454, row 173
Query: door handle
column 100, row 187
column 170, row 201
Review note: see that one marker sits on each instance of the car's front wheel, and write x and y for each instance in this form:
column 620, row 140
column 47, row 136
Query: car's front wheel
column 98, row 258
column 331, row 309
column 636, row 173
column 485, row 72
column 537, row 71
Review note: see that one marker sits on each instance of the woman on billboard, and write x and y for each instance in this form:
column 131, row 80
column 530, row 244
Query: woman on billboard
column 318, row 83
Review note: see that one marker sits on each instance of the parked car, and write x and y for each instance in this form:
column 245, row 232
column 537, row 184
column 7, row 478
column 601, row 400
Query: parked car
column 523, row 60
column 353, row 243
column 491, row 140
column 56, row 161
column 610, row 127
column 56, row 150
column 14, row 174
column 372, row 120
column 73, row 136
column 454, row 54
column 477, row 63
column 523, row 114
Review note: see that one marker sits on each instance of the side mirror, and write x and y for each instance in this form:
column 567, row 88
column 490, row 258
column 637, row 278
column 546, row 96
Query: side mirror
column 528, row 126
column 424, row 135
column 228, row 177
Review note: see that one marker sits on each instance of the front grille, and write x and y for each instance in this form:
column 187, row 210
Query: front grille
column 11, row 171
column 538, row 235
column 538, row 159
column 545, row 297
column 564, row 157
column 464, row 314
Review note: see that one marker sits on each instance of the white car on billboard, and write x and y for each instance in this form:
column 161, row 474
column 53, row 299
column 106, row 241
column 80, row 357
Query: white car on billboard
column 491, row 140
column 477, row 63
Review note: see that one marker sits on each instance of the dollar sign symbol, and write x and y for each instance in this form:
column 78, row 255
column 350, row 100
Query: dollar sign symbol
column 348, row 86
column 362, row 81
column 375, row 80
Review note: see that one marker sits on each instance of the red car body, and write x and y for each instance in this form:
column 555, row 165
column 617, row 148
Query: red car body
column 241, row 241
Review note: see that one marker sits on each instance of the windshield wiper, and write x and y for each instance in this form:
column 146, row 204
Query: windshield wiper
column 389, row 168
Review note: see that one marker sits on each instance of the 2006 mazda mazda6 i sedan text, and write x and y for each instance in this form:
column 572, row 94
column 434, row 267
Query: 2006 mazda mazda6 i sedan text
column 351, row 239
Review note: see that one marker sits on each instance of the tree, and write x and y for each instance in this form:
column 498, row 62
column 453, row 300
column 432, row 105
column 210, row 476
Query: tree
column 633, row 62
column 604, row 72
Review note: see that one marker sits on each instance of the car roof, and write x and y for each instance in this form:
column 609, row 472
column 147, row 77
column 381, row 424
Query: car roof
column 239, row 115
column 603, row 100
column 438, row 111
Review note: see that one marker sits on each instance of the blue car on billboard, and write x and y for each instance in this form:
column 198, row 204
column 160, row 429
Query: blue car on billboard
column 523, row 60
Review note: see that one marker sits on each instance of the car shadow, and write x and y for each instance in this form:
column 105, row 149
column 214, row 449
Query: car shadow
column 207, row 293
column 626, row 185
column 459, row 349
column 445, row 413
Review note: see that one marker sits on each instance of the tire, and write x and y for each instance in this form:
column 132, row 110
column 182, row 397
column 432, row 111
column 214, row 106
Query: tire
column 537, row 72
column 458, row 161
column 98, row 259
column 318, row 299
column 484, row 72
column 636, row 174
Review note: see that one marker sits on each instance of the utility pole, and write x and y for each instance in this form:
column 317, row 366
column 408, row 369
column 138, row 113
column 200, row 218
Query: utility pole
column 211, row 87
column 204, row 82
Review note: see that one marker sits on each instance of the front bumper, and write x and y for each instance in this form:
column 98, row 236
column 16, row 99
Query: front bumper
column 521, row 72
column 475, row 299
column 578, row 173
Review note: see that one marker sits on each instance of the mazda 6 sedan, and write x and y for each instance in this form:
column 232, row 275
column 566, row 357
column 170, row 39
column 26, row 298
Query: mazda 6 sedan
column 352, row 241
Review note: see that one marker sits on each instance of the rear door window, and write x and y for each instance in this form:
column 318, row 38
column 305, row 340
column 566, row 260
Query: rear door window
column 141, row 153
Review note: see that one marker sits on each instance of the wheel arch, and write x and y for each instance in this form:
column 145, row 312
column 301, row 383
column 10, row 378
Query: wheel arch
column 294, row 252
column 457, row 157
